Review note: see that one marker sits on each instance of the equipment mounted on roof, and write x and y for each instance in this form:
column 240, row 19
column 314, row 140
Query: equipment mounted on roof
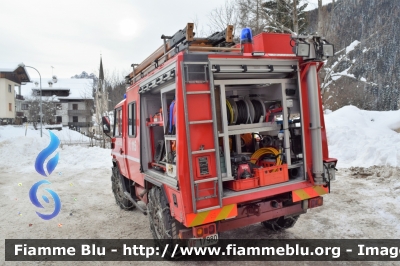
column 183, row 40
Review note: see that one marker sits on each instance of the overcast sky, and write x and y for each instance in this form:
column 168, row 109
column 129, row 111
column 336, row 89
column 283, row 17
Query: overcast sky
column 70, row 35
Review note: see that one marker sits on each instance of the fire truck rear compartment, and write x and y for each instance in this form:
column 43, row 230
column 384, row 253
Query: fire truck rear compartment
column 264, row 134
column 257, row 116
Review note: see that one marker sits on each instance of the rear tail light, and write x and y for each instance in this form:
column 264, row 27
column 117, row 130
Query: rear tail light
column 204, row 230
column 211, row 229
column 199, row 232
column 315, row 202
column 112, row 145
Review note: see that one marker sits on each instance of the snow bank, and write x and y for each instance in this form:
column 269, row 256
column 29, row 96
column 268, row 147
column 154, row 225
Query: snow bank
column 363, row 138
column 65, row 135
column 18, row 152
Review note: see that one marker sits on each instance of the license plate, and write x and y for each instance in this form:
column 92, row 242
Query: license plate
column 203, row 242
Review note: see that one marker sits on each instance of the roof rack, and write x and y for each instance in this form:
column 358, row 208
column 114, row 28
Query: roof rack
column 180, row 41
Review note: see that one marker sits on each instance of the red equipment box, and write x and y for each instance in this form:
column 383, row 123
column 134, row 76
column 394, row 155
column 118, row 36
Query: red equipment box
column 272, row 175
column 274, row 43
column 242, row 184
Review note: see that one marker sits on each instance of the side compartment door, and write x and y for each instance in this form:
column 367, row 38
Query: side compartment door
column 119, row 150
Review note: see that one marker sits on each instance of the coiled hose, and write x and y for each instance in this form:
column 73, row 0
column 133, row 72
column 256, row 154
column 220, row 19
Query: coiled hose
column 258, row 110
column 242, row 116
column 230, row 112
column 263, row 151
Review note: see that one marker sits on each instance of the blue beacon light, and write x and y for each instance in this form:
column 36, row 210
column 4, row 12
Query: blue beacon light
column 246, row 36
column 124, row 95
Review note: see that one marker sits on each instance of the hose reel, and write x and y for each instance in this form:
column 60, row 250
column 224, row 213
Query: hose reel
column 245, row 110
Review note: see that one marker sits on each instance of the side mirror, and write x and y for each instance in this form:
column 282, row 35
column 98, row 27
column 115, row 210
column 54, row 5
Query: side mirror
column 106, row 124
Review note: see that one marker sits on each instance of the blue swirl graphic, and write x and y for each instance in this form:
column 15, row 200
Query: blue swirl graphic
column 52, row 163
column 35, row 201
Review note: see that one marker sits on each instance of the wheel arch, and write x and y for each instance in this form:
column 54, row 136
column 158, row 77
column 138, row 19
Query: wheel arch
column 148, row 184
column 127, row 183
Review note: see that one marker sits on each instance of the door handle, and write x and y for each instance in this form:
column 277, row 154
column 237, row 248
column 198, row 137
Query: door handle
column 121, row 151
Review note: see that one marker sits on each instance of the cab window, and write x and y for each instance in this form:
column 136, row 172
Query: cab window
column 117, row 122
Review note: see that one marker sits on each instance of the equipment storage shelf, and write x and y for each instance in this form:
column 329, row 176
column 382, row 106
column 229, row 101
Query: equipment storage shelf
column 249, row 128
column 168, row 95
column 243, row 109
column 155, row 124
column 254, row 107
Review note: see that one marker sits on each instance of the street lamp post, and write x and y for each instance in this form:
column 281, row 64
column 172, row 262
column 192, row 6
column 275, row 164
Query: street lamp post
column 40, row 79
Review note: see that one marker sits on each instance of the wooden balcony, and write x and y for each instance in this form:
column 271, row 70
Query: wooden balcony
column 19, row 97
column 78, row 112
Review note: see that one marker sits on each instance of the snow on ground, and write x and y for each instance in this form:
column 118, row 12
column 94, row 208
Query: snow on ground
column 363, row 138
column 19, row 152
column 65, row 135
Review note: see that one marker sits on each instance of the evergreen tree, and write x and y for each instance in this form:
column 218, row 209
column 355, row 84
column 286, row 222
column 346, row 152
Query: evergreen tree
column 284, row 13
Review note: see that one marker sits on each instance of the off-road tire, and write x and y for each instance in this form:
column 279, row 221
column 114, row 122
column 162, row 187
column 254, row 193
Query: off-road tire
column 280, row 223
column 163, row 226
column 118, row 191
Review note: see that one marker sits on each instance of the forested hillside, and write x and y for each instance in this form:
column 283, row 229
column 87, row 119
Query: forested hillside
column 367, row 76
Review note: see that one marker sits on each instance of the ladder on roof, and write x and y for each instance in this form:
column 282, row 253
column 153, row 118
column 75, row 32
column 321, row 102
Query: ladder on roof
column 207, row 188
column 180, row 41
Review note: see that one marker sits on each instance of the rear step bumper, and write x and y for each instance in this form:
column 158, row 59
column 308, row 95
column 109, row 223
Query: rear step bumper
column 263, row 192
column 260, row 212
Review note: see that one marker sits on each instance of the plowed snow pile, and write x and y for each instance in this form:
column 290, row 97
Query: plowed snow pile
column 363, row 138
column 18, row 152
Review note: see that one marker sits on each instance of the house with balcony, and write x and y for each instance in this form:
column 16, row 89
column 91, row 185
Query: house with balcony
column 12, row 76
column 68, row 102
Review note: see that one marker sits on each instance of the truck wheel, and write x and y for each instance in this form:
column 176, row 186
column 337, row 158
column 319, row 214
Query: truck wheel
column 163, row 226
column 118, row 191
column 280, row 223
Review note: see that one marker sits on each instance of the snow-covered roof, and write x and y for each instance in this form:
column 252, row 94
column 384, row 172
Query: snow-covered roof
column 78, row 88
column 12, row 67
column 51, row 89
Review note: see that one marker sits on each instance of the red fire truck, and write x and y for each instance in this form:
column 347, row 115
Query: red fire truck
column 213, row 135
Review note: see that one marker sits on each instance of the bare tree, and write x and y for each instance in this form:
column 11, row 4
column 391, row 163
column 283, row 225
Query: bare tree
column 198, row 27
column 48, row 108
column 222, row 16
column 101, row 110
column 86, row 95
column 109, row 92
column 116, row 87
